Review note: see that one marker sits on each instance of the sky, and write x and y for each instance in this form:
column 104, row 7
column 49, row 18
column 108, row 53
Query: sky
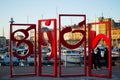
column 30, row 11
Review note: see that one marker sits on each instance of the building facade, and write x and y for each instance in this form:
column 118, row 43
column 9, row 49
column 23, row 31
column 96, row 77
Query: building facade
column 99, row 28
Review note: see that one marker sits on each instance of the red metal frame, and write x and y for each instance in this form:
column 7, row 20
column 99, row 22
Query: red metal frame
column 52, row 36
column 12, row 39
column 53, row 41
column 93, row 40
column 63, row 42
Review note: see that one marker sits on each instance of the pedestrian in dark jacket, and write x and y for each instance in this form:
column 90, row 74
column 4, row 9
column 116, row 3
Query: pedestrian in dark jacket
column 98, row 58
column 106, row 56
column 93, row 60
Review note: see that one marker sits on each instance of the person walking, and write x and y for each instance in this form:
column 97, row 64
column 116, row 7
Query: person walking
column 106, row 57
column 93, row 60
column 98, row 58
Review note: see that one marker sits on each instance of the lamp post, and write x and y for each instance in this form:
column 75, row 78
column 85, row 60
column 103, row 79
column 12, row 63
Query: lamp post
column 11, row 20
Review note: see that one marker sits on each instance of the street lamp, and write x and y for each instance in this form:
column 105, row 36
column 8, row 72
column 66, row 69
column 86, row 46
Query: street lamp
column 11, row 20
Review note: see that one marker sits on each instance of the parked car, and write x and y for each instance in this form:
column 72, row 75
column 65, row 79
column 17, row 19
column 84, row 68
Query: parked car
column 30, row 60
column 45, row 50
column 6, row 60
column 1, row 61
column 21, row 50
column 115, row 53
column 71, row 56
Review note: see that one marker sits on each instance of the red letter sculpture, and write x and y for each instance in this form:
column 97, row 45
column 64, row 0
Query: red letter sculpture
column 93, row 41
column 14, row 42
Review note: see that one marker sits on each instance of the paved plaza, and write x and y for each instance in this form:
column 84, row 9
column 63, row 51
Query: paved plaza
column 4, row 75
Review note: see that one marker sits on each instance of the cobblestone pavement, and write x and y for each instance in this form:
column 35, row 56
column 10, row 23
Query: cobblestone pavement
column 4, row 75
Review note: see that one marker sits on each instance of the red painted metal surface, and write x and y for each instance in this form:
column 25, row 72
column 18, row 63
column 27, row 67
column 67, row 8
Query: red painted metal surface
column 31, row 46
column 93, row 41
column 72, row 46
column 53, row 43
